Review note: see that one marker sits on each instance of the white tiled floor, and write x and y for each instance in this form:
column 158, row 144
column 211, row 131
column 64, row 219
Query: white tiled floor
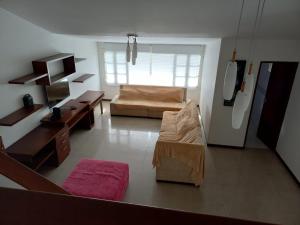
column 248, row 184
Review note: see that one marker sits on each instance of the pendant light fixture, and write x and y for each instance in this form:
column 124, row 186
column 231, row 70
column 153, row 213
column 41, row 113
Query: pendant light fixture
column 128, row 51
column 244, row 95
column 249, row 80
column 238, row 111
column 231, row 69
column 131, row 55
column 134, row 51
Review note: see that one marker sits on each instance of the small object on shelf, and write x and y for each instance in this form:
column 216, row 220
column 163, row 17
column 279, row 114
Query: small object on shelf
column 56, row 114
column 83, row 78
column 18, row 115
column 27, row 100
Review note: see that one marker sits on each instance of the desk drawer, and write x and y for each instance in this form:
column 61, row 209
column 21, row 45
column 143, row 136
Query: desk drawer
column 62, row 153
column 64, row 134
column 62, row 142
column 62, row 145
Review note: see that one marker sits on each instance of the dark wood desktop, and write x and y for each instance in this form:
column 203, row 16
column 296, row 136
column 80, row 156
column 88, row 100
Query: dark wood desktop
column 50, row 142
column 72, row 113
column 92, row 98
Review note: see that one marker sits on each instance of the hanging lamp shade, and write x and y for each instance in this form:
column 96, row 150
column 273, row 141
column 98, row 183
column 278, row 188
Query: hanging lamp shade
column 244, row 96
column 134, row 52
column 128, row 51
column 230, row 80
column 133, row 61
column 248, row 90
column 238, row 111
column 231, row 69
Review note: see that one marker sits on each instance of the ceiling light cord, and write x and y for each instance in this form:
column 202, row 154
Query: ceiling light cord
column 256, row 27
column 239, row 24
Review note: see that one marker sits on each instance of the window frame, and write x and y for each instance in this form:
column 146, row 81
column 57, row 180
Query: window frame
column 120, row 48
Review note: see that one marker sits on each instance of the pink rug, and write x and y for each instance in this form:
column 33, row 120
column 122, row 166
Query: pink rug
column 98, row 179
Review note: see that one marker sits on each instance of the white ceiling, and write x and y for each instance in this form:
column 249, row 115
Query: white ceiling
column 170, row 18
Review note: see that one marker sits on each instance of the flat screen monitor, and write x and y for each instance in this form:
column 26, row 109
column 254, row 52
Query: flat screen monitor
column 57, row 92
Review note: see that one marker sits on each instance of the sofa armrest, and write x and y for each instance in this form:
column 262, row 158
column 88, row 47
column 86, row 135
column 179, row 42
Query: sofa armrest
column 186, row 152
column 114, row 99
column 192, row 155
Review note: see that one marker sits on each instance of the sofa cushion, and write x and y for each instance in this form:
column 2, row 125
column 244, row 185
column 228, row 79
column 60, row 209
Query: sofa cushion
column 142, row 104
column 183, row 113
column 187, row 111
column 168, row 122
column 152, row 93
column 168, row 130
column 192, row 136
column 185, row 125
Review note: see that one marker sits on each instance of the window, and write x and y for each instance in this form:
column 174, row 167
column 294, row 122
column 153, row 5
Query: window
column 115, row 67
column 164, row 65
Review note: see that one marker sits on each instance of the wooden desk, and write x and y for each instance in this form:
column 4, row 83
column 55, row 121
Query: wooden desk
column 71, row 117
column 51, row 139
column 41, row 144
column 92, row 98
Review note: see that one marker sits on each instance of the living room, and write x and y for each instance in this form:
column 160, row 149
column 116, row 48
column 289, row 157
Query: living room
column 189, row 56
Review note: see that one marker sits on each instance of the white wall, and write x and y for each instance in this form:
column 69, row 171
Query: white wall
column 288, row 143
column 20, row 43
column 209, row 74
column 82, row 48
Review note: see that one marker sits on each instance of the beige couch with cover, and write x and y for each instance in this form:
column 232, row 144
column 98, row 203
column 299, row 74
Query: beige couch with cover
column 180, row 149
column 147, row 101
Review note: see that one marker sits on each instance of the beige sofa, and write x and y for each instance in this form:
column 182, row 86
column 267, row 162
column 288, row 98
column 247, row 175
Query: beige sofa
column 180, row 150
column 147, row 101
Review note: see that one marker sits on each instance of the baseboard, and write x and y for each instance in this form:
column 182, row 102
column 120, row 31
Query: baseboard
column 225, row 146
column 286, row 166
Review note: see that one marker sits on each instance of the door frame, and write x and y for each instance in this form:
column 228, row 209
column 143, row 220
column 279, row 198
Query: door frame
column 254, row 92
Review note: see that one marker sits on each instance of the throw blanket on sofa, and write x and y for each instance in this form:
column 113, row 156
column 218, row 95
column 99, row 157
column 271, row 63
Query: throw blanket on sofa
column 147, row 101
column 181, row 138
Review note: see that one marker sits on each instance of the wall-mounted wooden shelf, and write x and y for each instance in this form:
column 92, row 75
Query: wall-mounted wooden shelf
column 42, row 66
column 55, row 58
column 83, row 78
column 77, row 60
column 41, row 73
column 18, row 115
column 59, row 77
column 27, row 78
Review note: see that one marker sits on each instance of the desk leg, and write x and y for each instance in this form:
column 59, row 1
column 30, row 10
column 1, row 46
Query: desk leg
column 101, row 107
